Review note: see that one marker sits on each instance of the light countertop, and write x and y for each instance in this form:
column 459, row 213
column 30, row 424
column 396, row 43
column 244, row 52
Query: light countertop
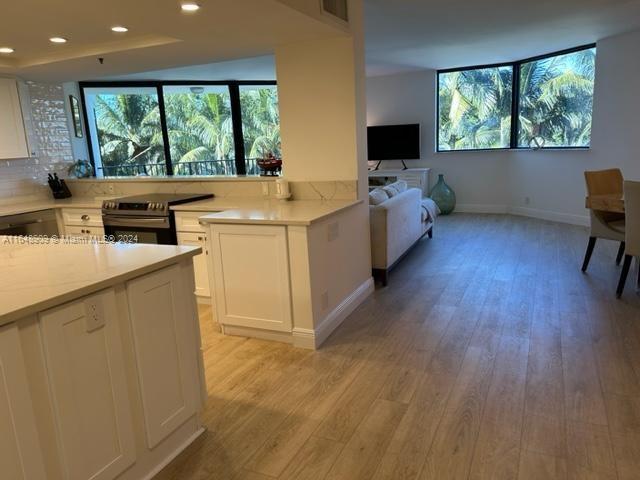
column 37, row 277
column 269, row 212
column 46, row 204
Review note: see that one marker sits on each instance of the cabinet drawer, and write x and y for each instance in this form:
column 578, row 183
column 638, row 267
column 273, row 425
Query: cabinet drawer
column 75, row 231
column 89, row 217
column 188, row 221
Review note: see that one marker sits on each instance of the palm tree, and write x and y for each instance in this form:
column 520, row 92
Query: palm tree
column 201, row 129
column 128, row 128
column 475, row 109
column 555, row 94
column 260, row 121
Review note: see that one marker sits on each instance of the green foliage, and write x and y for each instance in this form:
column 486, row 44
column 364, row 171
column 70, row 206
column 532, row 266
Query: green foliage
column 556, row 100
column 555, row 104
column 200, row 130
column 475, row 108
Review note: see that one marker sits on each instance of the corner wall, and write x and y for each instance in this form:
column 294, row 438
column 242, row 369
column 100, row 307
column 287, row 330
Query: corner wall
column 552, row 180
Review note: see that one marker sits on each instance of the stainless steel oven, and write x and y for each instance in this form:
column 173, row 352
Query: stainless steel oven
column 144, row 218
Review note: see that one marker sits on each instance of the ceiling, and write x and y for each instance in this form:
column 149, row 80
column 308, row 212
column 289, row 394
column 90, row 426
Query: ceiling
column 160, row 35
column 407, row 35
column 401, row 35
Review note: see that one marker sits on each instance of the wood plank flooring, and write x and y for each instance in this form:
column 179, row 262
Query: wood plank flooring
column 488, row 356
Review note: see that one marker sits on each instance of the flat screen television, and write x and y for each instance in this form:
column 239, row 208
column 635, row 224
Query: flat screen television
column 394, row 142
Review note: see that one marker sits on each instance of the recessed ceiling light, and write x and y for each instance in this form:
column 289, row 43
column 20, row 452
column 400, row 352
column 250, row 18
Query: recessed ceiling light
column 119, row 29
column 58, row 40
column 6, row 50
column 190, row 7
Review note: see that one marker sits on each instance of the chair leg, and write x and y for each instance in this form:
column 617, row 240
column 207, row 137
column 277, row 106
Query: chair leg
column 623, row 275
column 587, row 255
column 620, row 253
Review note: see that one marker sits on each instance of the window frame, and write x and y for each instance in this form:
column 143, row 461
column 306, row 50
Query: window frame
column 236, row 112
column 515, row 100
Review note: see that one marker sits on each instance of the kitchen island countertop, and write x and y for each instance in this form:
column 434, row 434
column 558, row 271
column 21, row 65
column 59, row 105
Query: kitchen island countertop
column 35, row 277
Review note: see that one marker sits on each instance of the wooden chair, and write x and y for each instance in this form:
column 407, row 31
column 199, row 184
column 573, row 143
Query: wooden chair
column 632, row 232
column 606, row 225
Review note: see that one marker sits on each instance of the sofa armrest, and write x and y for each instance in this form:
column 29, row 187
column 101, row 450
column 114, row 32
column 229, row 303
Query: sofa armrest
column 395, row 226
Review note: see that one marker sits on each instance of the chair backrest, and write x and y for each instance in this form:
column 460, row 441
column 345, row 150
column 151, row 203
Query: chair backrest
column 632, row 214
column 604, row 182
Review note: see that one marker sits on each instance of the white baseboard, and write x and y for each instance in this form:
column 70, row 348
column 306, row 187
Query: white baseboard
column 306, row 338
column 581, row 220
column 174, row 454
column 478, row 208
column 571, row 219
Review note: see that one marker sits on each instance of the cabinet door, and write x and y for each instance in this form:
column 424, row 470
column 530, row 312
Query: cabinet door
column 13, row 139
column 199, row 261
column 87, row 380
column 20, row 454
column 166, row 350
column 251, row 272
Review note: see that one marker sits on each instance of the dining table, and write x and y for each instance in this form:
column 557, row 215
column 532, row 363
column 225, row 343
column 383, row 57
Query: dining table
column 606, row 203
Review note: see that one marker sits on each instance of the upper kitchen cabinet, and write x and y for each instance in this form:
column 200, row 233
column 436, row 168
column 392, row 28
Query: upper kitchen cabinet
column 13, row 137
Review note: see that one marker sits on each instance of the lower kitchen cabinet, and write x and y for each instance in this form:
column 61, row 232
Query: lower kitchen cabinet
column 164, row 351
column 251, row 274
column 20, row 451
column 87, row 379
column 200, row 267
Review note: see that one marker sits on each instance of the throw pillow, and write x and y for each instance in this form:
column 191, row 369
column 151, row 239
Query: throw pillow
column 377, row 196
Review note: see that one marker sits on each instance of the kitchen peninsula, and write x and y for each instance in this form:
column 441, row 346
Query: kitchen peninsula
column 285, row 271
column 100, row 359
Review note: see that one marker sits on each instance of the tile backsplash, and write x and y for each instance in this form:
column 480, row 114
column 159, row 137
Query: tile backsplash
column 25, row 179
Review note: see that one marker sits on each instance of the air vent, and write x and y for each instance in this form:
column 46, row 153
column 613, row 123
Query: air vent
column 337, row 8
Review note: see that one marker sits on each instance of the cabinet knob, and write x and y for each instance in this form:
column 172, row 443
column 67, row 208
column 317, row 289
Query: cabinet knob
column 200, row 239
column 85, row 217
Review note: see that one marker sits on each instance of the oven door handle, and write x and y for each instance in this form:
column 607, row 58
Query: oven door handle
column 133, row 222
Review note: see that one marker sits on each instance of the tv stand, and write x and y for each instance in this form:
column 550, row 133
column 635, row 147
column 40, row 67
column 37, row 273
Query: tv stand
column 404, row 166
column 415, row 178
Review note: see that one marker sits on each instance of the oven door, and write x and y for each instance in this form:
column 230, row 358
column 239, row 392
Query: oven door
column 133, row 229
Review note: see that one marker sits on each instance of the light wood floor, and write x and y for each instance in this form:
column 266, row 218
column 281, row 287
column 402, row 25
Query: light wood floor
column 490, row 355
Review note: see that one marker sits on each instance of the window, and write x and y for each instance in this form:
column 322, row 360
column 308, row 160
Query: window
column 545, row 102
column 260, row 123
column 125, row 131
column 475, row 108
column 556, row 100
column 200, row 129
column 176, row 128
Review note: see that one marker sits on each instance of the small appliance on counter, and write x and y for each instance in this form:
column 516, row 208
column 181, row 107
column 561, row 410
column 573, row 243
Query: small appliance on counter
column 58, row 187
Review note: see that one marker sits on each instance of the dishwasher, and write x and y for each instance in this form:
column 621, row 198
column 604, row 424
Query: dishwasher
column 42, row 222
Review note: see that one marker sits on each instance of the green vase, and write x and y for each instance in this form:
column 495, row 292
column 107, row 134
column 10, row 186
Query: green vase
column 444, row 196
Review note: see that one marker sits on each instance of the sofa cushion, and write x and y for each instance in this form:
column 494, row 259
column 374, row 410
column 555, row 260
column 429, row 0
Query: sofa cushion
column 377, row 196
column 395, row 188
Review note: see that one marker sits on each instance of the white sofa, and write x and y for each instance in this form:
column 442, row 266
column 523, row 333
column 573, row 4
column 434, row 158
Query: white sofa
column 397, row 224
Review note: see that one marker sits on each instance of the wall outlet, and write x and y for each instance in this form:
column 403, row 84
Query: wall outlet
column 333, row 231
column 93, row 314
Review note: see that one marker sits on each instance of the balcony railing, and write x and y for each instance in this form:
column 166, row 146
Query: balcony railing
column 198, row 168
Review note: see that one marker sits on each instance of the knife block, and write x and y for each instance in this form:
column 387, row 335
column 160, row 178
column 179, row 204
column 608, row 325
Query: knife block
column 61, row 190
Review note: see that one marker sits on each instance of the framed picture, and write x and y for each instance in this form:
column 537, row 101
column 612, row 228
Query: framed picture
column 75, row 115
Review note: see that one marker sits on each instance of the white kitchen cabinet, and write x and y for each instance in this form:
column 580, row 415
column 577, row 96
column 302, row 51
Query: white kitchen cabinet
column 90, row 217
column 165, row 351
column 84, row 232
column 13, row 137
column 20, row 451
column 92, row 410
column 200, row 262
column 251, row 276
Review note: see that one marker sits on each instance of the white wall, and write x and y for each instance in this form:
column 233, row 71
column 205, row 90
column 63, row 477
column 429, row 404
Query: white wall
column 552, row 179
